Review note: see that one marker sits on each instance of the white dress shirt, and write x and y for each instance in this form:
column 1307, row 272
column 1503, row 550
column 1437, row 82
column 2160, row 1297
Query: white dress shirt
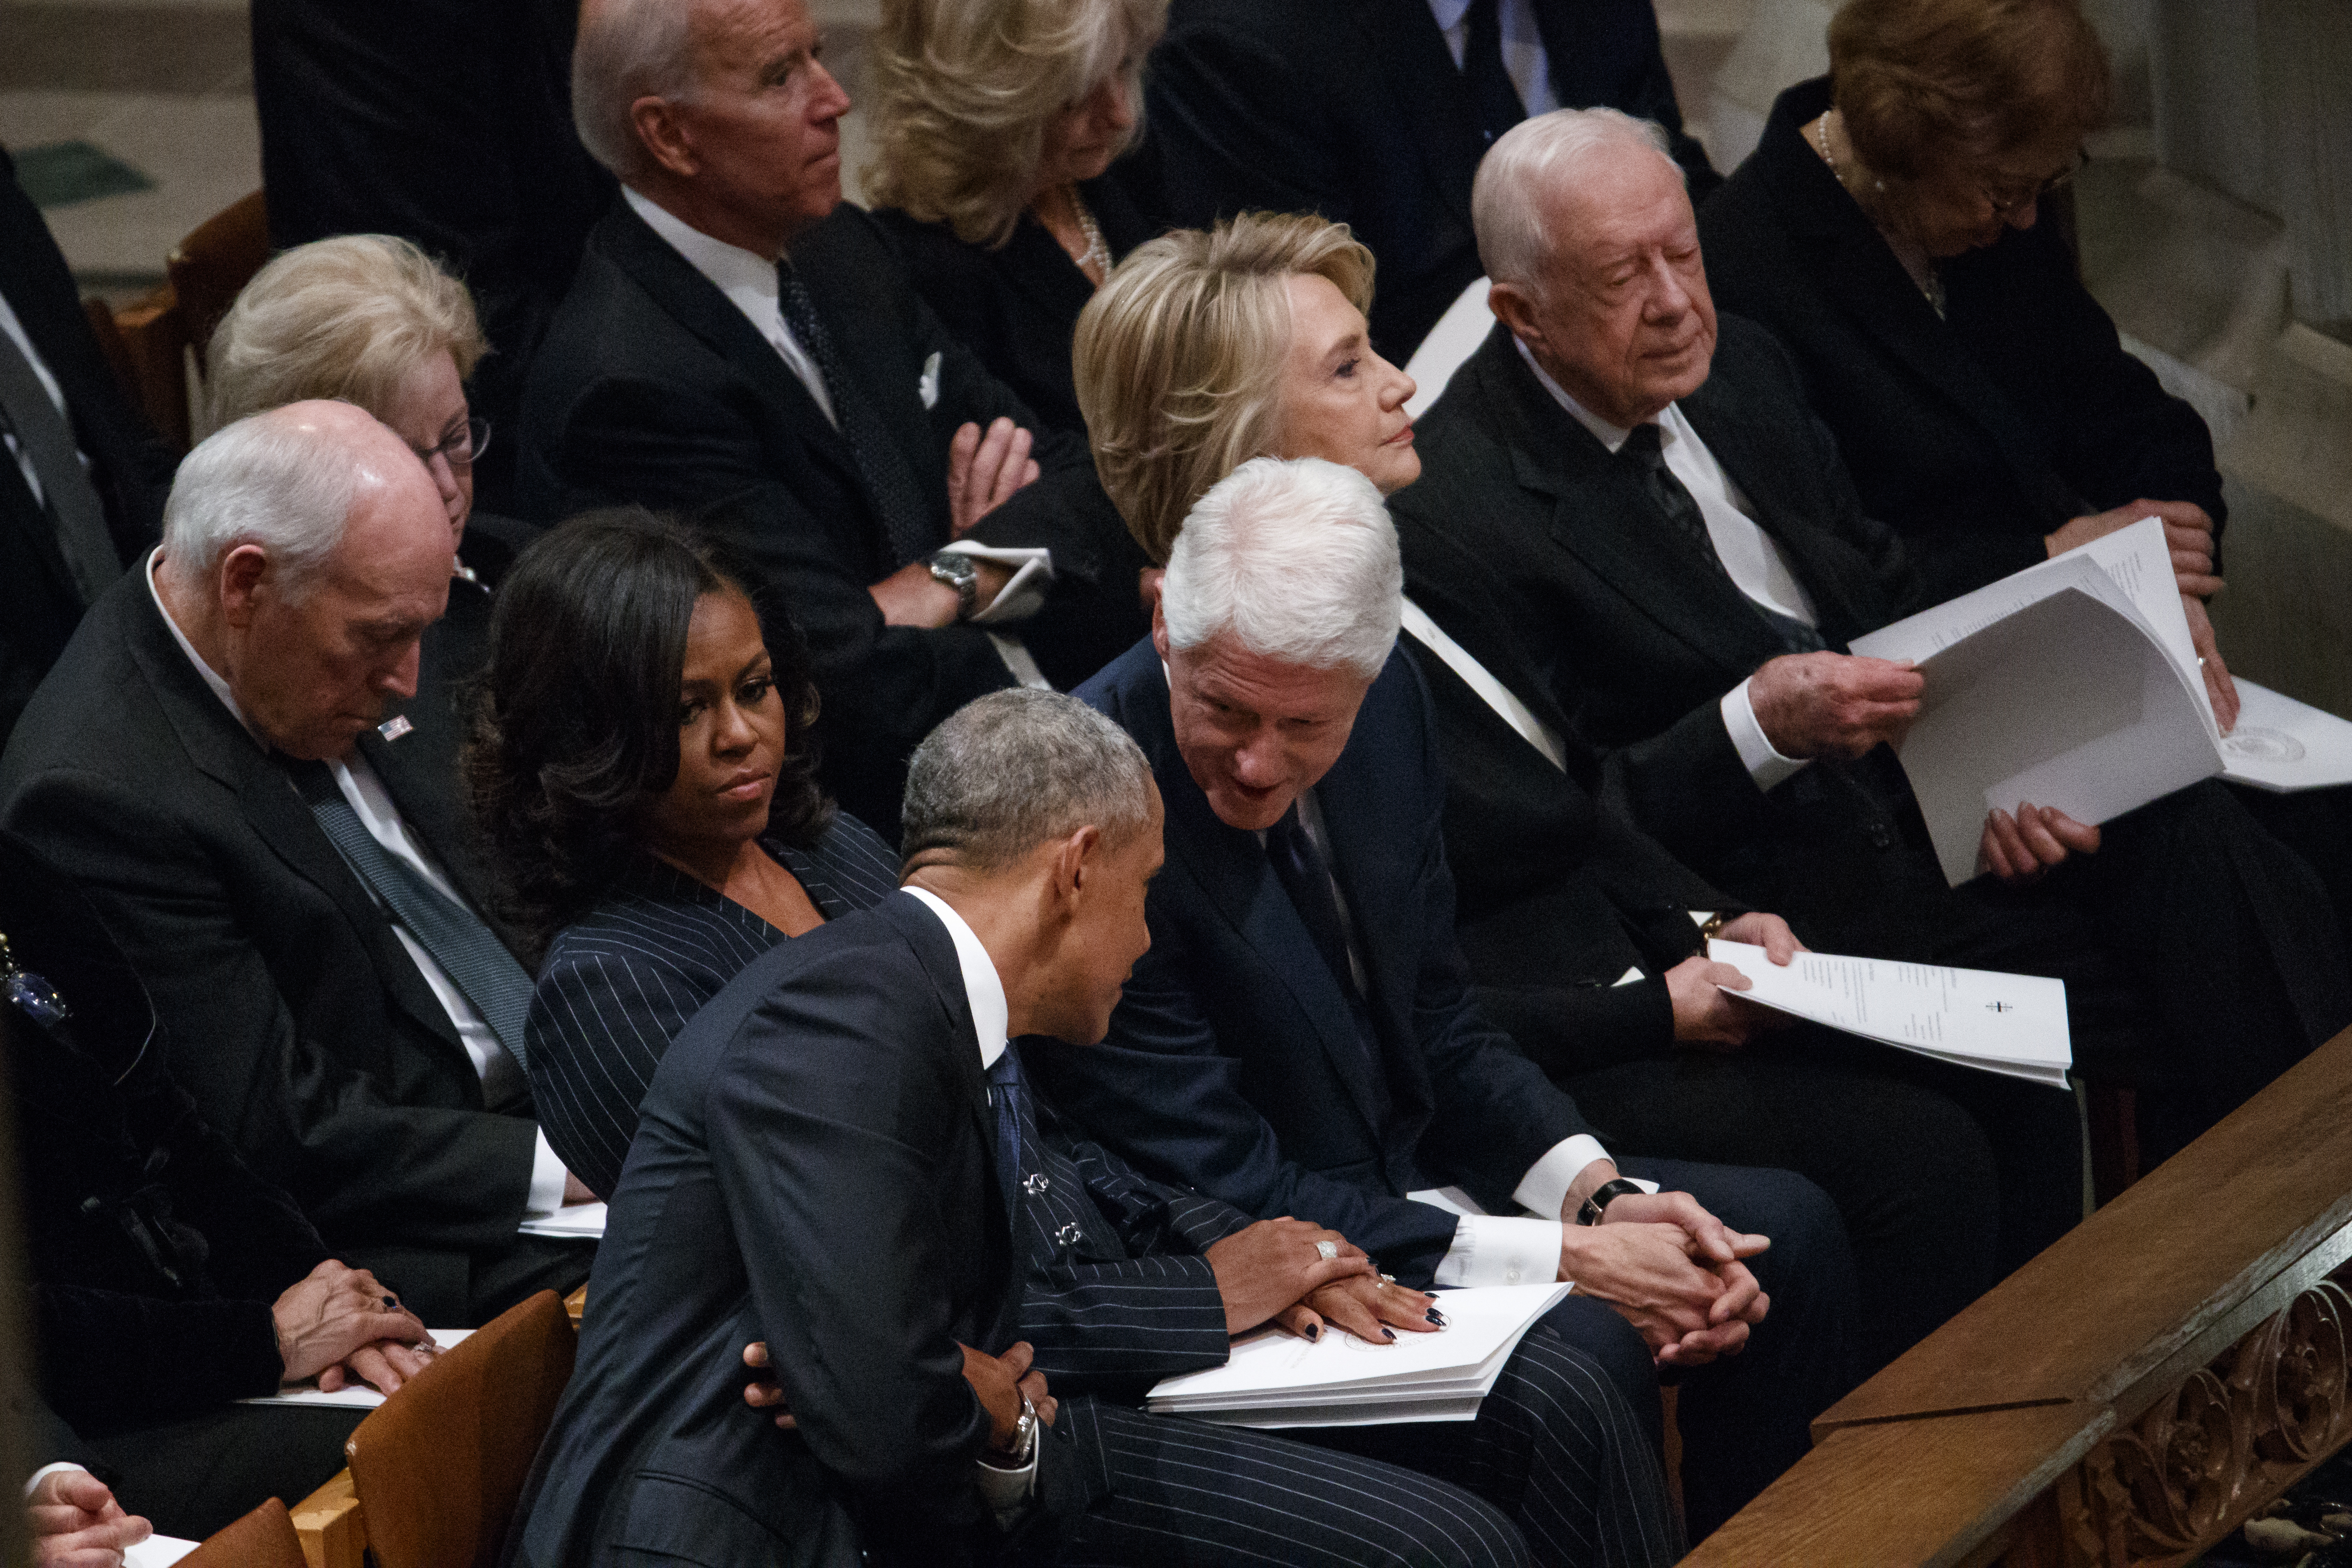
column 1488, row 1249
column 15, row 328
column 1757, row 567
column 1523, row 47
column 1005, row 1492
column 749, row 281
column 502, row 1077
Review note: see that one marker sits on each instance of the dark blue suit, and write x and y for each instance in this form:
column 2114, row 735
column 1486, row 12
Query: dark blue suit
column 1233, row 1066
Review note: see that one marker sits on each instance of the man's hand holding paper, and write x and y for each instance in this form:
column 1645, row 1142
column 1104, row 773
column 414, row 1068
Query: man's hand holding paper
column 1833, row 705
column 1707, row 1014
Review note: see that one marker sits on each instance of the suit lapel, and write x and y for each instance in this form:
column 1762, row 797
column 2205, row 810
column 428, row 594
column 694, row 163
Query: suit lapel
column 695, row 303
column 1427, row 89
column 1602, row 515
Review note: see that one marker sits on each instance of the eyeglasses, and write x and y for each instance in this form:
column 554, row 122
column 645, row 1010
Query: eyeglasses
column 2004, row 206
column 460, row 446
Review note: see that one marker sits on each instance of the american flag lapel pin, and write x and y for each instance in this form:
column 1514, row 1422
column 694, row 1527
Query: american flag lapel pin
column 394, row 728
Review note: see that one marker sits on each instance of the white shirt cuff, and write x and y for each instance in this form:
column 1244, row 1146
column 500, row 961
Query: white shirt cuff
column 1007, row 1492
column 1496, row 1250
column 1033, row 573
column 1545, row 1186
column 1764, row 765
column 546, row 1174
column 48, row 1469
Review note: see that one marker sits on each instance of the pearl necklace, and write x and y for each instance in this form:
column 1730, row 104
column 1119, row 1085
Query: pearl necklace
column 1095, row 260
column 1917, row 263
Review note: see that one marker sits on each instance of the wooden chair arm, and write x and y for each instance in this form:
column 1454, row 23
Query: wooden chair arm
column 329, row 1523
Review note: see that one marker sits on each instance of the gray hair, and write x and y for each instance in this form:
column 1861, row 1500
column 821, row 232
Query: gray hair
column 1016, row 768
column 1506, row 208
column 1296, row 559
column 628, row 49
column 274, row 483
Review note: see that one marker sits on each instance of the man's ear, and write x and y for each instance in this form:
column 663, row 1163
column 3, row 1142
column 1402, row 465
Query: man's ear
column 1515, row 310
column 241, row 574
column 1160, row 626
column 1075, row 864
column 663, row 134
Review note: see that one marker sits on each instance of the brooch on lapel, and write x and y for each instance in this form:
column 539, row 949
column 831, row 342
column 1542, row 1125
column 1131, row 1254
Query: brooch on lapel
column 928, row 388
column 394, row 728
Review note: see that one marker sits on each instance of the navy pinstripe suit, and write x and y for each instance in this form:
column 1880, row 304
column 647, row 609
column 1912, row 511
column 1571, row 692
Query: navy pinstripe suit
column 621, row 981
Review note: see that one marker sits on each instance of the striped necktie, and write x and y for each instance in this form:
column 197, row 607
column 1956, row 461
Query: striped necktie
column 905, row 521
column 473, row 958
column 1009, row 1095
column 46, row 443
column 1643, row 451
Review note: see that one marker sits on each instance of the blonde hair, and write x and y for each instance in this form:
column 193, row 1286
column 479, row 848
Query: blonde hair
column 964, row 90
column 1179, row 357
column 345, row 317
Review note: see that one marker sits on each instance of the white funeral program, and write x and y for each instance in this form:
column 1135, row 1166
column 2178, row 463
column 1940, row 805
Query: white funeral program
column 2009, row 1024
column 1276, row 1379
column 2074, row 685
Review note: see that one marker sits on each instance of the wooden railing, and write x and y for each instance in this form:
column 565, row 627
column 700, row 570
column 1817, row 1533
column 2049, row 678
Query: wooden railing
column 2127, row 1398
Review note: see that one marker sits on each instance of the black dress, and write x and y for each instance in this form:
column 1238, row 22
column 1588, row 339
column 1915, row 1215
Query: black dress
column 1017, row 307
column 622, row 979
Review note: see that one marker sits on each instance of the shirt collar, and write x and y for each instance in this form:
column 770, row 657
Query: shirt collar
column 1613, row 436
column 1449, row 13
column 211, row 677
column 982, row 987
column 736, row 272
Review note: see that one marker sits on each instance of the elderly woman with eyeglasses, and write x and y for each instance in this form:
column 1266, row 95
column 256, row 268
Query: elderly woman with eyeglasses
column 1889, row 228
column 371, row 320
column 996, row 122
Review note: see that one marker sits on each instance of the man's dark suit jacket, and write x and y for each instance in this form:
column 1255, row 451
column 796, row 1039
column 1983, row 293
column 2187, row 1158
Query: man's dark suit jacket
column 129, row 465
column 1521, row 516
column 1234, row 1064
column 447, row 124
column 1017, row 307
column 1973, row 435
column 1355, row 109
column 813, row 1168
column 155, row 1254
column 652, row 387
column 299, row 1022
column 1555, row 897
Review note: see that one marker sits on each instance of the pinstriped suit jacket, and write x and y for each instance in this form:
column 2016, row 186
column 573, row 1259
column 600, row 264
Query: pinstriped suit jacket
column 621, row 981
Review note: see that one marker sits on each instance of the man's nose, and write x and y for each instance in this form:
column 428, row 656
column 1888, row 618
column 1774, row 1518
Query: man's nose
column 399, row 677
column 1259, row 762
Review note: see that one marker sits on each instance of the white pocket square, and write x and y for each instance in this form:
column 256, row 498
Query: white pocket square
column 927, row 389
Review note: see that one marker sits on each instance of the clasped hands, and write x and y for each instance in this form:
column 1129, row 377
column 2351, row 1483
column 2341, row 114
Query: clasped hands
column 333, row 1324
column 1670, row 1269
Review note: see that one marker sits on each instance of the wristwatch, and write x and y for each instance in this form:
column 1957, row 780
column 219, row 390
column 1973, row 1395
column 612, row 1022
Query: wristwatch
column 958, row 571
column 1602, row 1196
column 1024, row 1440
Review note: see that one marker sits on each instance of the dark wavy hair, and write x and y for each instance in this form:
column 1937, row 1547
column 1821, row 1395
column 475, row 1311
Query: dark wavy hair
column 576, row 716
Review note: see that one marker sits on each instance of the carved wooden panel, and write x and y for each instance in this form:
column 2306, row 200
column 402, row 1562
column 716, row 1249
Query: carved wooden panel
column 2235, row 1434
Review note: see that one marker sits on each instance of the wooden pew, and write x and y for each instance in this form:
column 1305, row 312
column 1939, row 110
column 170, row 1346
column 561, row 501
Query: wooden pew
column 2131, row 1395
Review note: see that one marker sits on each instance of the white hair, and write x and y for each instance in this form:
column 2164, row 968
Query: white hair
column 1506, row 208
column 628, row 49
column 284, row 485
column 1296, row 559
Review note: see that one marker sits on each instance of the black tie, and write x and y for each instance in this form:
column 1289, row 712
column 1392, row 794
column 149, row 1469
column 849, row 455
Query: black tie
column 1306, row 876
column 475, row 961
column 47, row 442
column 1493, row 95
column 905, row 521
column 1009, row 1096
column 1648, row 462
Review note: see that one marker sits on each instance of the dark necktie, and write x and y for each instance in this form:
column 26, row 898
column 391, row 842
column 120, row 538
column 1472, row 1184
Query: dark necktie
column 1642, row 453
column 1493, row 95
column 47, row 442
column 475, row 961
column 905, row 521
column 1010, row 1097
column 1306, row 876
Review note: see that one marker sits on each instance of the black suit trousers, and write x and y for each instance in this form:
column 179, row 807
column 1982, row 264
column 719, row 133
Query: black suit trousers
column 191, row 1478
column 1947, row 1178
